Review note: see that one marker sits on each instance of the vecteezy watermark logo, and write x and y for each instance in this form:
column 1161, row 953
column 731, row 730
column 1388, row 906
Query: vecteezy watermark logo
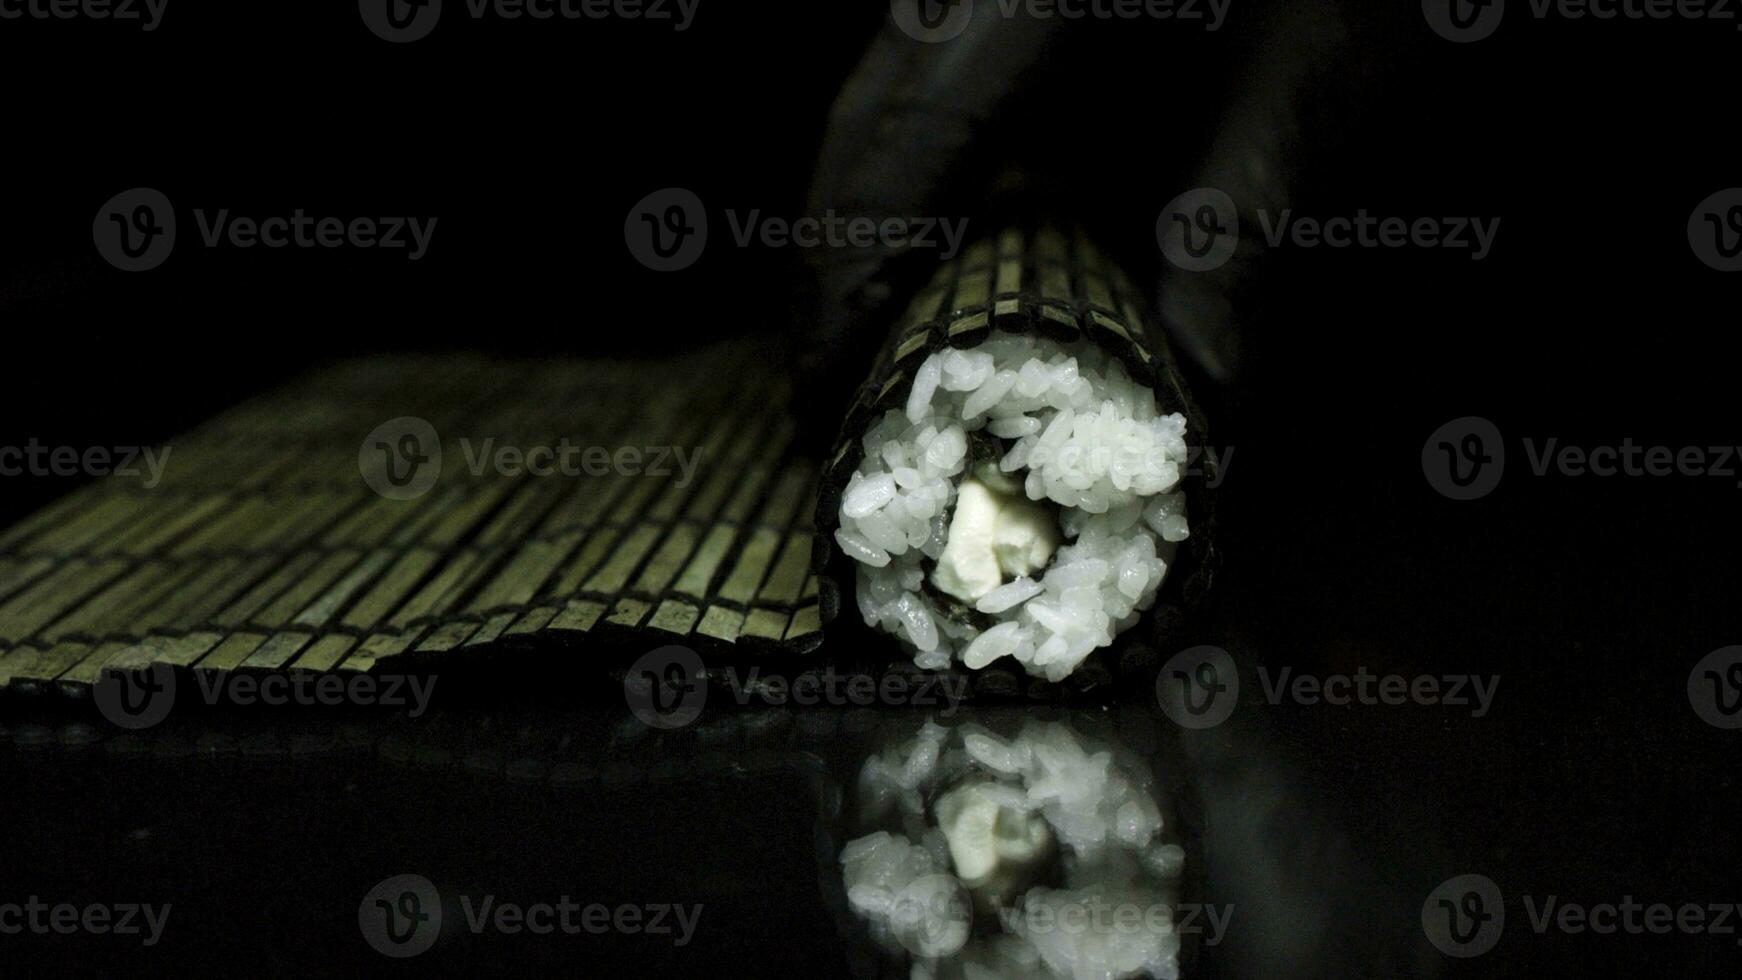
column 1463, row 21
column 565, row 458
column 402, row 458
column 400, row 21
column 932, row 21
column 1715, row 230
column 1715, row 688
column 141, row 698
column 667, row 230
column 826, row 687
column 135, row 230
column 932, row 915
column 135, row 699
column 1458, row 234
column 402, row 916
column 42, row 918
column 935, row 21
column 666, row 688
column 1464, row 916
column 1366, row 688
column 835, row 230
column 1199, row 230
column 146, row 13
column 1465, row 458
column 1096, row 915
column 1198, row 687
column 35, row 459
column 1205, row 463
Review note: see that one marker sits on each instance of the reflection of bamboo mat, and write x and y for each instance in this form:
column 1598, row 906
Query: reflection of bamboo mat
column 265, row 548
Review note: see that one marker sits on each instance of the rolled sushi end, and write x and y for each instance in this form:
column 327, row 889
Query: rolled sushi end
column 1025, row 503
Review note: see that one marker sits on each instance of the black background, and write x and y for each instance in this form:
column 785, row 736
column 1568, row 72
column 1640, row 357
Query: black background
column 1591, row 321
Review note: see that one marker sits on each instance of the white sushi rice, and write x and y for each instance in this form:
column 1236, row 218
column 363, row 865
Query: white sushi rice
column 1076, row 432
column 1098, row 803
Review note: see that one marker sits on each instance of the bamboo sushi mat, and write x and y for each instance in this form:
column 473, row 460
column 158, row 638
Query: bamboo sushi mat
column 266, row 546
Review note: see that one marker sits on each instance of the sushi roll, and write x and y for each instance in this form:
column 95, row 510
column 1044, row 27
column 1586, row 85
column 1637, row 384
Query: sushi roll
column 1013, row 482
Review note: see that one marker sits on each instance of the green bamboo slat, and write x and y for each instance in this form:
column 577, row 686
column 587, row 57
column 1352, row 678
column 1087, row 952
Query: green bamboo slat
column 805, row 622
column 179, row 651
column 13, row 660
column 447, row 636
column 457, row 521
column 15, row 574
column 371, row 524
column 109, row 607
column 492, row 629
column 753, row 562
column 152, row 535
column 377, row 648
column 615, row 573
column 790, row 571
column 230, row 527
column 326, row 653
column 277, row 651
column 1055, row 284
column 748, row 494
column 305, row 589
column 394, row 585
column 284, row 576
column 54, row 595
column 699, row 574
column 766, row 624
column 578, row 616
column 90, row 525
column 438, row 593
column 521, row 513
column 705, row 457
column 522, row 577
column 230, row 654
column 303, row 520
column 789, row 491
column 667, row 561
column 629, row 611
column 973, row 290
column 212, row 587
column 42, row 520
column 89, row 670
column 724, row 477
column 716, row 485
column 323, row 609
column 532, row 621
column 675, row 616
column 51, row 662
column 426, row 513
column 1096, row 291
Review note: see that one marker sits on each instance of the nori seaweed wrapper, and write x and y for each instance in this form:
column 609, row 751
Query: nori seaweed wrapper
column 1047, row 281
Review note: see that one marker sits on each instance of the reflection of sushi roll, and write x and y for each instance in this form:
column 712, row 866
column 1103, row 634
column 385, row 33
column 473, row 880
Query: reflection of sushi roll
column 1019, row 491
column 986, row 851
